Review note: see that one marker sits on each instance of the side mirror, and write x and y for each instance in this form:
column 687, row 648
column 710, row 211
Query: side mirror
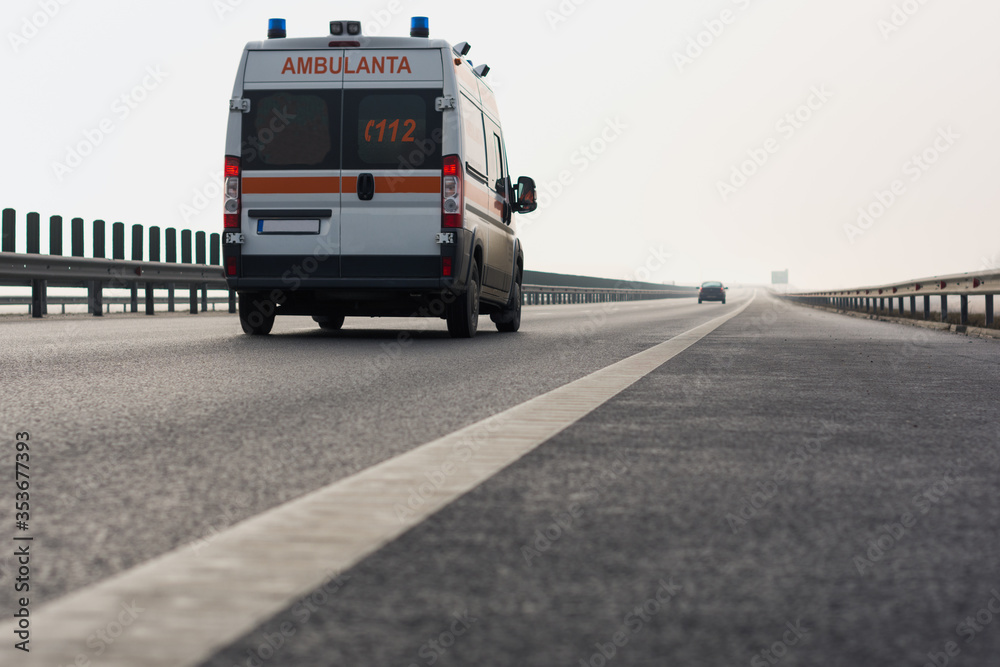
column 525, row 195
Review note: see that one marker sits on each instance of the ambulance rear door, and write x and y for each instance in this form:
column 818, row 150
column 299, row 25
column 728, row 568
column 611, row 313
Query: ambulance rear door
column 391, row 201
column 291, row 162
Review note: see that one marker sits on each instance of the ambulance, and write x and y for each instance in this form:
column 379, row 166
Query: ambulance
column 367, row 176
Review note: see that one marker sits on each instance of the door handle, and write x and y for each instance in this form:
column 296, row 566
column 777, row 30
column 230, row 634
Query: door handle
column 366, row 187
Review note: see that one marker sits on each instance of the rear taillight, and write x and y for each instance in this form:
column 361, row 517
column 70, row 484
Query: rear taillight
column 446, row 267
column 230, row 266
column 451, row 192
column 232, row 205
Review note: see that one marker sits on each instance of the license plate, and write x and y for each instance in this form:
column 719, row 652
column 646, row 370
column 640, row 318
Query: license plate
column 288, row 226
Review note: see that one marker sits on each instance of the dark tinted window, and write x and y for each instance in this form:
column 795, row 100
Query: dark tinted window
column 292, row 130
column 391, row 129
column 711, row 284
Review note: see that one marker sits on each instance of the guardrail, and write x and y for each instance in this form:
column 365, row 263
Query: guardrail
column 109, row 301
column 199, row 270
column 876, row 298
column 43, row 271
column 535, row 295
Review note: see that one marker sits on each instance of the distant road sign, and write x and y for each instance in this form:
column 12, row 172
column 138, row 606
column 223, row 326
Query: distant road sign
column 779, row 277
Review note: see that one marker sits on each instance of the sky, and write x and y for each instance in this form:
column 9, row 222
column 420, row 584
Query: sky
column 853, row 143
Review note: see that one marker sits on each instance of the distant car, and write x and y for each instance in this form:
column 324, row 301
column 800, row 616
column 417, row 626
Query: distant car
column 712, row 291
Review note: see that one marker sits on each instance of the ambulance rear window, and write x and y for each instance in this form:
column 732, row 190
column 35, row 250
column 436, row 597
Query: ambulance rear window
column 292, row 130
column 391, row 129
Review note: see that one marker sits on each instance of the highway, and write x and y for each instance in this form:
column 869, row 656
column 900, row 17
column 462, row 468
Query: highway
column 671, row 483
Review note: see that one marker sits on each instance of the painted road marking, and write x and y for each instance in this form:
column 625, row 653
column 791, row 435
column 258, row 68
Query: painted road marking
column 202, row 597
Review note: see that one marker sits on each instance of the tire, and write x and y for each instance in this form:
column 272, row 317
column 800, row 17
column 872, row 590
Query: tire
column 699, row 300
column 463, row 315
column 508, row 320
column 256, row 314
column 329, row 322
column 723, row 302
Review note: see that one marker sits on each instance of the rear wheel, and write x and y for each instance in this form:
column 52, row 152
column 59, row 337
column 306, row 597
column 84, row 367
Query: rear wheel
column 329, row 322
column 463, row 315
column 699, row 300
column 256, row 314
column 509, row 319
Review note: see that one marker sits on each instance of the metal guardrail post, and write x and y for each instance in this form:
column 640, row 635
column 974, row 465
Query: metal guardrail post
column 55, row 235
column 201, row 257
column 185, row 246
column 34, row 247
column 170, row 240
column 154, row 243
column 94, row 288
column 913, row 306
column 8, row 230
column 118, row 240
column 99, row 247
column 95, row 298
column 193, row 290
column 989, row 310
column 215, row 249
column 136, row 257
column 927, row 306
column 37, row 298
column 34, row 244
column 232, row 301
column 154, row 256
column 964, row 301
column 76, row 237
column 944, row 308
column 199, row 248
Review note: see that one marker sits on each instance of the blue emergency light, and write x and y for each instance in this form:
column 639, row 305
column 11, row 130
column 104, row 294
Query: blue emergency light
column 275, row 28
column 420, row 27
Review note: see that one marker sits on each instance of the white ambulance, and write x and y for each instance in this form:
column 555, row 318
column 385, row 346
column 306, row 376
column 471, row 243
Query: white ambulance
column 367, row 176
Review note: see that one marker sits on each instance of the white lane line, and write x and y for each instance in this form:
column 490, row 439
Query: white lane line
column 202, row 597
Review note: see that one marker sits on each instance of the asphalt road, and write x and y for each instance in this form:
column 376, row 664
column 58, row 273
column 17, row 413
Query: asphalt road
column 821, row 488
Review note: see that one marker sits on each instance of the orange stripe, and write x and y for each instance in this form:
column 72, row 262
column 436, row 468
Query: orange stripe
column 331, row 184
column 291, row 185
column 398, row 184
